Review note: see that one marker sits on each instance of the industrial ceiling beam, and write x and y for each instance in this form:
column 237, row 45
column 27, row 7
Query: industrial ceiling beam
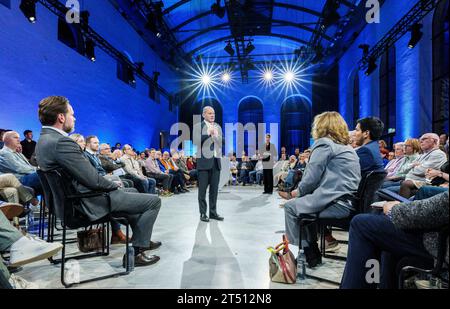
column 282, row 36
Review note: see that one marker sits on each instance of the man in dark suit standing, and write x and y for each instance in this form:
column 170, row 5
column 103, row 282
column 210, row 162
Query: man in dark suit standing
column 208, row 163
column 269, row 157
column 55, row 150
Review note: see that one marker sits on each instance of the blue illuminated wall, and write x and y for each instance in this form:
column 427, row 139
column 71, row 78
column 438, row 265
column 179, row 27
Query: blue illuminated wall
column 34, row 64
column 413, row 74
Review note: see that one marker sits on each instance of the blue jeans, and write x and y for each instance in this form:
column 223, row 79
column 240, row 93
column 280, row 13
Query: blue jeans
column 151, row 185
column 371, row 237
column 395, row 189
column 31, row 180
column 428, row 191
column 256, row 176
column 244, row 176
column 289, row 180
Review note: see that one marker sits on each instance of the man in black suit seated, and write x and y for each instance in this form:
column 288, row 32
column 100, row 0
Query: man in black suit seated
column 56, row 150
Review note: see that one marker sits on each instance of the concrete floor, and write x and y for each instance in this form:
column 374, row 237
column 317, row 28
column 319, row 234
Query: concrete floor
column 194, row 254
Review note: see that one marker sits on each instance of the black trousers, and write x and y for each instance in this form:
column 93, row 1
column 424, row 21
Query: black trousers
column 209, row 178
column 164, row 179
column 268, row 180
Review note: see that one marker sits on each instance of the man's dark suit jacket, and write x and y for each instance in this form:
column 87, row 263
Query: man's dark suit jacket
column 95, row 161
column 370, row 157
column 207, row 163
column 55, row 151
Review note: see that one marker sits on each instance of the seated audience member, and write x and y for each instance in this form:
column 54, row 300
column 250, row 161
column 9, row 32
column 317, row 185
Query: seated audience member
column 22, row 250
column 191, row 164
column 296, row 153
column 285, row 169
column 2, row 132
column 154, row 171
column 12, row 191
column 391, row 156
column 141, row 182
column 233, row 169
column 167, row 164
column 15, row 163
column 28, row 145
column 112, row 165
column 353, row 139
column 55, row 150
column 141, row 159
column 368, row 131
column 406, row 230
column 283, row 151
column 256, row 176
column 443, row 140
column 393, row 166
column 438, row 183
column 411, row 149
column 431, row 157
column 245, row 167
column 384, row 151
column 180, row 161
column 329, row 182
column 118, row 146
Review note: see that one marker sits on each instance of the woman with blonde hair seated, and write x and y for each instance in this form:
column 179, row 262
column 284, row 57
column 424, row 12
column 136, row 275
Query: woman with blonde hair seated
column 329, row 182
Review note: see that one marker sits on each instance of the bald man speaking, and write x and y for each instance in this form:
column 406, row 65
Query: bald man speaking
column 209, row 152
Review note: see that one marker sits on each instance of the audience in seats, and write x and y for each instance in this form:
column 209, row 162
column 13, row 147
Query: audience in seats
column 395, row 163
column 141, row 182
column 286, row 167
column 443, row 140
column 113, row 166
column 431, row 157
column 154, row 171
column 15, row 162
column 167, row 164
column 180, row 160
column 245, row 167
column 411, row 149
column 12, row 191
column 404, row 230
column 329, row 182
column 367, row 133
column 56, row 150
column 22, row 250
column 384, row 151
column 256, row 176
column 28, row 145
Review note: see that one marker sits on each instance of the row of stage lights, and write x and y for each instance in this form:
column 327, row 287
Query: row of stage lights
column 266, row 76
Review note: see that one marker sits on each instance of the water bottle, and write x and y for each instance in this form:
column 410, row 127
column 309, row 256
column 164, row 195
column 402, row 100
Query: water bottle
column 301, row 265
column 131, row 258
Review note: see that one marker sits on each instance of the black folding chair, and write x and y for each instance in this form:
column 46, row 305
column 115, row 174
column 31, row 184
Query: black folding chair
column 65, row 201
column 437, row 271
column 361, row 203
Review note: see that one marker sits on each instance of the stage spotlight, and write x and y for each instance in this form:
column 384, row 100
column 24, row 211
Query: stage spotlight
column 226, row 77
column 289, row 77
column 28, row 8
column 90, row 50
column 206, row 79
column 229, row 49
column 250, row 47
column 371, row 66
column 268, row 76
column 416, row 35
column 218, row 10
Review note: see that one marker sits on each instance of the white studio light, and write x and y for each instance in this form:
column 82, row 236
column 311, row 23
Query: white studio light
column 289, row 77
column 268, row 76
column 226, row 77
column 206, row 79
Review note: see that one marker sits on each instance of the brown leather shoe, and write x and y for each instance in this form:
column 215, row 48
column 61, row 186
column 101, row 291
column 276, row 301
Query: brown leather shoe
column 11, row 210
column 142, row 260
column 118, row 238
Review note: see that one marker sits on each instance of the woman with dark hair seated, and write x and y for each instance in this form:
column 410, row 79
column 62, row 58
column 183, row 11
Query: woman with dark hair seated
column 330, row 179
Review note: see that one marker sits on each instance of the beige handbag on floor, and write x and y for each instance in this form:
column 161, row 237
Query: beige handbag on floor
column 282, row 263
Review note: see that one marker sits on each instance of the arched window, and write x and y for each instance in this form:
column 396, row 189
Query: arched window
column 355, row 101
column 387, row 94
column 295, row 123
column 440, row 67
column 250, row 112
